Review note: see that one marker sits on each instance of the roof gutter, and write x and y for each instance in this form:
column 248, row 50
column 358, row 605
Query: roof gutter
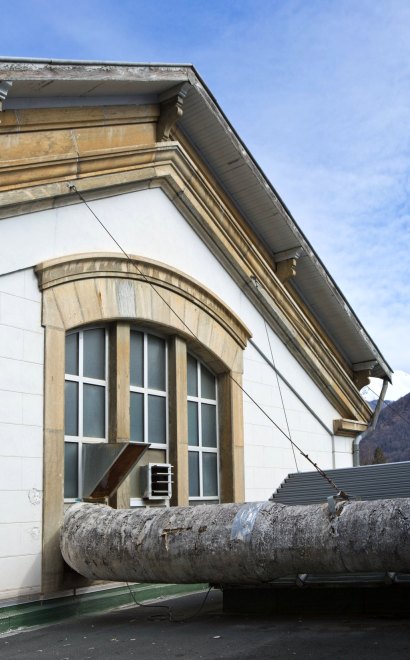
column 46, row 60
column 377, row 410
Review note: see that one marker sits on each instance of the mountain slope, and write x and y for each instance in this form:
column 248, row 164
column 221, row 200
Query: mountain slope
column 392, row 434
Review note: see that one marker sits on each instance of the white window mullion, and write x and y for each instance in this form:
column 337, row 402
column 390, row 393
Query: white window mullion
column 201, row 486
column 80, row 411
column 198, row 379
column 107, row 393
column 166, row 405
column 80, row 384
column 145, row 384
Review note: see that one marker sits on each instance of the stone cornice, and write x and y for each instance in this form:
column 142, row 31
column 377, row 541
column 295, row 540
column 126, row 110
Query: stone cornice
column 41, row 182
column 45, row 119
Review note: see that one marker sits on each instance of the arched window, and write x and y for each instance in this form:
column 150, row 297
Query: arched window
column 117, row 370
column 86, row 407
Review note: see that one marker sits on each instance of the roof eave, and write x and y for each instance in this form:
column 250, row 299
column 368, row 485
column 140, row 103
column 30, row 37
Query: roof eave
column 30, row 69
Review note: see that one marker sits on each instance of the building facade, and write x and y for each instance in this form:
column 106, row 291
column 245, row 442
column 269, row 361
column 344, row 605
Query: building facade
column 155, row 289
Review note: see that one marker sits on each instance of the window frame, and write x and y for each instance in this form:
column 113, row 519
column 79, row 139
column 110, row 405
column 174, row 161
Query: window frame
column 147, row 391
column 200, row 449
column 82, row 380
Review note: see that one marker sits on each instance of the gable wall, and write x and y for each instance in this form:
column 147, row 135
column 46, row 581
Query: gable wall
column 146, row 223
column 136, row 220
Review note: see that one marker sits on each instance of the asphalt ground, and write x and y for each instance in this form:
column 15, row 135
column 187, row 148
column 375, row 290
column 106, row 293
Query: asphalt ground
column 180, row 630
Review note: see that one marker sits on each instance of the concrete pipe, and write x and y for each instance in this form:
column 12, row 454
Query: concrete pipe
column 234, row 543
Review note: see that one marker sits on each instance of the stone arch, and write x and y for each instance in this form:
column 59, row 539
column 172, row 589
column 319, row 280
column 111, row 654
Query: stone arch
column 84, row 289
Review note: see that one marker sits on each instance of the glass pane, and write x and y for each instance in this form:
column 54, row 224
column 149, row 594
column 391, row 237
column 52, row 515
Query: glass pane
column 193, row 466
column 210, row 474
column 193, row 423
column 70, row 469
column 137, row 359
column 71, row 354
column 156, row 419
column 94, row 353
column 208, row 413
column 137, row 417
column 192, row 377
column 70, row 408
column 156, row 363
column 208, row 390
column 93, row 411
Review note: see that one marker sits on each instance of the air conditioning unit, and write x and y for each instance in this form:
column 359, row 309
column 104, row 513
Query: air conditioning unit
column 156, row 481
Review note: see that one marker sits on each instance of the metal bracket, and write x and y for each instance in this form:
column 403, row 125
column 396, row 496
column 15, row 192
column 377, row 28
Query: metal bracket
column 333, row 499
column 5, row 86
column 301, row 580
column 171, row 110
column 390, row 578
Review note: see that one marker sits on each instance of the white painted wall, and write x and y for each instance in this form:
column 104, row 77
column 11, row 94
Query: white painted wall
column 147, row 224
column 21, row 433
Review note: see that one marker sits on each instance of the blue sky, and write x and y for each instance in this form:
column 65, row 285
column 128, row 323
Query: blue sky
column 319, row 90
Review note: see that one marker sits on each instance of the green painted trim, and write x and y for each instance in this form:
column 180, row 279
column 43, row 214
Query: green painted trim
column 42, row 612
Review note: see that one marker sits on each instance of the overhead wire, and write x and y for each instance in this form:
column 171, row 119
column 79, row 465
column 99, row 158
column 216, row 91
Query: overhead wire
column 280, row 394
column 134, row 263
column 169, row 615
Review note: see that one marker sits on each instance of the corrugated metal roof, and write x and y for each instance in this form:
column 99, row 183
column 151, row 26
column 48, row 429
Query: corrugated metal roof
column 367, row 482
column 210, row 132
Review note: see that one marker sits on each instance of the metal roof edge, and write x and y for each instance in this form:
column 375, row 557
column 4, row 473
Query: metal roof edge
column 308, row 248
column 46, row 60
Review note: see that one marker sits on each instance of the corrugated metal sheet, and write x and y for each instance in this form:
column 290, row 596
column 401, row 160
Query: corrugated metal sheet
column 367, row 482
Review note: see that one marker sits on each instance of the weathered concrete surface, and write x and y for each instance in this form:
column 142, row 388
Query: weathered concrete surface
column 145, row 633
column 233, row 543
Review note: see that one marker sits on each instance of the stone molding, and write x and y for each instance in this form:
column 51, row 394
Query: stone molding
column 171, row 110
column 348, row 427
column 173, row 167
column 45, row 119
column 88, row 288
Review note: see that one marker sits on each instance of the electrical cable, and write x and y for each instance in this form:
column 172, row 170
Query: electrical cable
column 170, row 616
column 133, row 262
column 281, row 396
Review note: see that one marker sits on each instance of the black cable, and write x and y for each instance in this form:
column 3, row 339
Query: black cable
column 133, row 262
column 197, row 613
column 280, row 393
column 170, row 616
column 137, row 602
